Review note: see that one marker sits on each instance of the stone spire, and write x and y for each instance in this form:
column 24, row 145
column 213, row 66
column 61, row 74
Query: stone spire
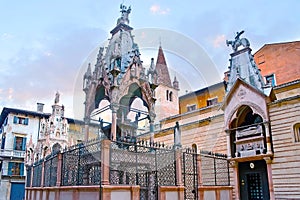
column 242, row 64
column 162, row 69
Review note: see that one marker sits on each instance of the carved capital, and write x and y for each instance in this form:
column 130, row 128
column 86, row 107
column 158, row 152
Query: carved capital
column 268, row 160
column 233, row 164
column 152, row 116
column 87, row 119
column 114, row 107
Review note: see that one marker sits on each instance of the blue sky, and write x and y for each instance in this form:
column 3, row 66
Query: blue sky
column 45, row 44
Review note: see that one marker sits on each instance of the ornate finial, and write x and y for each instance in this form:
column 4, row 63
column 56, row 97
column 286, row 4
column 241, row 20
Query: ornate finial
column 237, row 42
column 124, row 14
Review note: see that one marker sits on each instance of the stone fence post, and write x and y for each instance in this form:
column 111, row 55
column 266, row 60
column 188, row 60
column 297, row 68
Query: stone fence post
column 178, row 161
column 43, row 174
column 199, row 169
column 59, row 164
column 105, row 161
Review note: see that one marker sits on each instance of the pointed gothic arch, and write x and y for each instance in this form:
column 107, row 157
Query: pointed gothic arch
column 100, row 95
column 245, row 124
column 56, row 148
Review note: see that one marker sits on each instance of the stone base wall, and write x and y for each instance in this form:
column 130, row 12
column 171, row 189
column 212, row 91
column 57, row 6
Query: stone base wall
column 215, row 192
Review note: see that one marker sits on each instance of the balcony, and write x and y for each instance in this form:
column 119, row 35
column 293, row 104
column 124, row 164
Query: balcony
column 12, row 153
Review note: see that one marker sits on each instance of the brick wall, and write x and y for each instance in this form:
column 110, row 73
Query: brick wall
column 282, row 59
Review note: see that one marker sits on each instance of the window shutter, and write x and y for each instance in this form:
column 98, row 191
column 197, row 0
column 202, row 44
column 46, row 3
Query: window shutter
column 10, row 166
column 24, row 144
column 22, row 169
column 15, row 119
column 26, row 121
column 15, row 143
column 3, row 143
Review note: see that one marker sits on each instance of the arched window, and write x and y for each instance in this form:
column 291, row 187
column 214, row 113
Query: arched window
column 296, row 130
column 170, row 96
column 194, row 148
column 167, row 95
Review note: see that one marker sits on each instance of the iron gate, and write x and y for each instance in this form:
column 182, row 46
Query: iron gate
column 143, row 165
column 190, row 175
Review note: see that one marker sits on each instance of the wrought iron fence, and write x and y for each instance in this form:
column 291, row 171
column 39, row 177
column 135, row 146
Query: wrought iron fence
column 28, row 176
column 37, row 173
column 190, row 174
column 142, row 164
column 50, row 170
column 214, row 169
column 81, row 164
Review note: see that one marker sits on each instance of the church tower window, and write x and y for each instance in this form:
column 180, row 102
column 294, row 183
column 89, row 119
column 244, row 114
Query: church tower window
column 167, row 95
column 170, row 96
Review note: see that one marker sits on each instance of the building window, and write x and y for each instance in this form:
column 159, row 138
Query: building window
column 167, row 95
column 20, row 143
column 297, row 132
column 171, row 96
column 20, row 120
column 211, row 102
column 16, row 169
column 191, row 107
column 270, row 80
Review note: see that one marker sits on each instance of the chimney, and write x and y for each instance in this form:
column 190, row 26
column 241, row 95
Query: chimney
column 40, row 107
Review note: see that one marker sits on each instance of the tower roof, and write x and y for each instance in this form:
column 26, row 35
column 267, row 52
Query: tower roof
column 162, row 69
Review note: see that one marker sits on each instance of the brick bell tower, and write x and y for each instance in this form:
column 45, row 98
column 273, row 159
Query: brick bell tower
column 166, row 93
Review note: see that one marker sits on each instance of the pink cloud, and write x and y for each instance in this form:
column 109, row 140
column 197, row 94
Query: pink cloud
column 219, row 40
column 156, row 9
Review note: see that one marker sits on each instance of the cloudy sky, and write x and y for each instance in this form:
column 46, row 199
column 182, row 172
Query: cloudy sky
column 44, row 45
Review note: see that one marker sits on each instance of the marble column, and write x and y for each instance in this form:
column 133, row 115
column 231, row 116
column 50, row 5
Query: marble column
column 113, row 132
column 270, row 178
column 86, row 128
column 151, row 133
column 228, row 143
column 268, row 138
column 235, row 167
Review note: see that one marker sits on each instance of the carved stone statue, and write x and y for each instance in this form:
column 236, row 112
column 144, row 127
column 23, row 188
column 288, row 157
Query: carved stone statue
column 56, row 100
column 237, row 42
column 124, row 16
column 177, row 136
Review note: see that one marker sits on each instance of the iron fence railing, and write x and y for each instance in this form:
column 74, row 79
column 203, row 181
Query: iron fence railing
column 143, row 164
column 37, row 173
column 214, row 169
column 28, row 176
column 131, row 163
column 81, row 164
column 50, row 170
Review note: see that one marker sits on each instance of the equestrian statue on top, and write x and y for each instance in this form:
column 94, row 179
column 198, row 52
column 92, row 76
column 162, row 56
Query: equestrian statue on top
column 238, row 42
